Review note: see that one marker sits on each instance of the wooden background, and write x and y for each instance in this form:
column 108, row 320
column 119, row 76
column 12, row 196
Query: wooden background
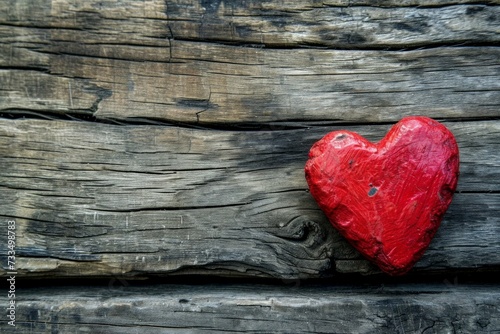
column 147, row 140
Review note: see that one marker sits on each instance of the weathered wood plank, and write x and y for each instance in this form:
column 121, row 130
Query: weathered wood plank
column 97, row 60
column 95, row 200
column 396, row 3
column 435, row 308
column 221, row 84
column 278, row 24
column 340, row 24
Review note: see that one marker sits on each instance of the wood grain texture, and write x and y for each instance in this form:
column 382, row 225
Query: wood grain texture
column 94, row 199
column 165, row 61
column 95, row 192
column 309, row 23
column 259, row 309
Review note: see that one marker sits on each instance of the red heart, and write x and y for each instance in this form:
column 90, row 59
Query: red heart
column 387, row 199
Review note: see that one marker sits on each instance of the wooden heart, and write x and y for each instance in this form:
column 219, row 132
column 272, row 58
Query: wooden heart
column 387, row 198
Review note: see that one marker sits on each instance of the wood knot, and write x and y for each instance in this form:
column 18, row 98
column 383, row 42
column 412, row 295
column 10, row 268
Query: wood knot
column 304, row 230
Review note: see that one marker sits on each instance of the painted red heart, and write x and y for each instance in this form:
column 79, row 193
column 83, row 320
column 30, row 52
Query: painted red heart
column 387, row 198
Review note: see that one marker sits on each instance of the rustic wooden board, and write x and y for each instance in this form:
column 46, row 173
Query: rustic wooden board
column 305, row 23
column 95, row 199
column 164, row 60
column 235, row 93
column 435, row 308
column 340, row 24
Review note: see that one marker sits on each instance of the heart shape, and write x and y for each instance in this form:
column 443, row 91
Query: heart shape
column 387, row 198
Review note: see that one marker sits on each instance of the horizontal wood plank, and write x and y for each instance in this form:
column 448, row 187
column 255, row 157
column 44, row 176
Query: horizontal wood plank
column 142, row 60
column 337, row 23
column 259, row 309
column 305, row 23
column 93, row 199
column 211, row 84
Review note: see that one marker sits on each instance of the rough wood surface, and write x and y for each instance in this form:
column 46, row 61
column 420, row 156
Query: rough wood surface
column 166, row 60
column 310, row 23
column 95, row 199
column 174, row 141
column 259, row 309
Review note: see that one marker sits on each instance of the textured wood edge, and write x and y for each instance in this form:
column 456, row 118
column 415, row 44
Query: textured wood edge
column 402, row 3
column 431, row 308
column 99, row 200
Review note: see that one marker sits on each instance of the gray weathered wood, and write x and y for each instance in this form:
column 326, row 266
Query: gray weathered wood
column 340, row 24
column 305, row 23
column 95, row 200
column 94, row 59
column 129, row 201
column 435, row 308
